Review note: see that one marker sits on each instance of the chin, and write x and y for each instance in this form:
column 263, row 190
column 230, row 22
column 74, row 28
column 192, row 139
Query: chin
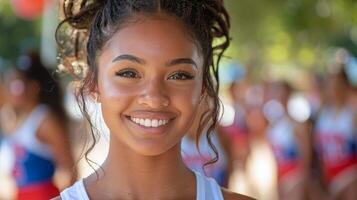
column 154, row 149
column 157, row 150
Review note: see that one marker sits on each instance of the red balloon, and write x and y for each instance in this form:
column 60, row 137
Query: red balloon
column 28, row 9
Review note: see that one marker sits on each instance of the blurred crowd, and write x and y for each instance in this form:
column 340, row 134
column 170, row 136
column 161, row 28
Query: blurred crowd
column 274, row 141
column 311, row 134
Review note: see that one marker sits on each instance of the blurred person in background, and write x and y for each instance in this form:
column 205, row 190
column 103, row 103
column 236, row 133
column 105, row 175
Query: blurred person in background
column 235, row 135
column 40, row 138
column 7, row 117
column 250, row 155
column 314, row 97
column 290, row 143
column 260, row 173
column 198, row 154
column 335, row 138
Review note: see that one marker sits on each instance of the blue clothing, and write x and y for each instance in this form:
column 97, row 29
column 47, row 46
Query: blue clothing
column 34, row 163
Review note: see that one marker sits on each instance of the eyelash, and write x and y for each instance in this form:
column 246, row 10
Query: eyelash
column 180, row 75
column 127, row 73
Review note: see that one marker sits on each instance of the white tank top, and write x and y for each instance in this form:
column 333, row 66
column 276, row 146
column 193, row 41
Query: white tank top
column 207, row 189
column 25, row 134
column 335, row 135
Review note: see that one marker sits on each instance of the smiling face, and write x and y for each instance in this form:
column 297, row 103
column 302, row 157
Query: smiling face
column 149, row 84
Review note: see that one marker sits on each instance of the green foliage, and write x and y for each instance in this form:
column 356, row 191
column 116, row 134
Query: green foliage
column 16, row 35
column 280, row 35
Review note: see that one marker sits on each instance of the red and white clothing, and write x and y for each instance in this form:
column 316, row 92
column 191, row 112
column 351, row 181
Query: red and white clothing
column 287, row 154
column 34, row 165
column 335, row 139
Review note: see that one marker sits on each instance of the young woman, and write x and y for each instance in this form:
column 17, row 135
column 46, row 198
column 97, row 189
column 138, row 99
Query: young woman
column 40, row 139
column 150, row 64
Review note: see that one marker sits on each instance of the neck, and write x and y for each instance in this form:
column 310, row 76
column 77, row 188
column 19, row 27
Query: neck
column 138, row 176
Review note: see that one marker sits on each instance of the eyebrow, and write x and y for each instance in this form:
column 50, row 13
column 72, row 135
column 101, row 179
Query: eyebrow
column 181, row 61
column 138, row 60
column 129, row 57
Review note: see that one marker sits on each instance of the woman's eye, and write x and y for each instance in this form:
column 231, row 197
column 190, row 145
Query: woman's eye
column 181, row 76
column 127, row 74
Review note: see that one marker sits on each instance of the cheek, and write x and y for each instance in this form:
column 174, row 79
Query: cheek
column 109, row 89
column 186, row 99
column 114, row 98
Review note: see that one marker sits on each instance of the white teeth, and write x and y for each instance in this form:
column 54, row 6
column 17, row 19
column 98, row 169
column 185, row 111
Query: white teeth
column 155, row 123
column 142, row 122
column 147, row 123
column 150, row 122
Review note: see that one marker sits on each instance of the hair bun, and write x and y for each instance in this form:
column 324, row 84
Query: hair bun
column 80, row 13
column 72, row 34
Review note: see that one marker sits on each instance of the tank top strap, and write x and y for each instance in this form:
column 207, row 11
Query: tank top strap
column 200, row 185
column 75, row 192
column 207, row 188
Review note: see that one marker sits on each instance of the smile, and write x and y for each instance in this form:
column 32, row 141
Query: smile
column 149, row 122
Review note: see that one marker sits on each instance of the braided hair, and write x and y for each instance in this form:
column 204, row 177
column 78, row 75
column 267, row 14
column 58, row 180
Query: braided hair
column 89, row 24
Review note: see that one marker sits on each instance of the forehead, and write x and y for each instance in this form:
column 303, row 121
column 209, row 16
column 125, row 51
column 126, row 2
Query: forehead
column 156, row 37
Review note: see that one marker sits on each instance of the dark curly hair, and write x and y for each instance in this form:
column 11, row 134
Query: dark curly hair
column 89, row 24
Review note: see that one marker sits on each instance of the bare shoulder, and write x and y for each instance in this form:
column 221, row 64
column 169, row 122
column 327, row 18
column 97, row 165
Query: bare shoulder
column 57, row 198
column 228, row 195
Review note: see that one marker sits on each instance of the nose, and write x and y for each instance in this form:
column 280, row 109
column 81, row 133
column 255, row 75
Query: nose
column 154, row 94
